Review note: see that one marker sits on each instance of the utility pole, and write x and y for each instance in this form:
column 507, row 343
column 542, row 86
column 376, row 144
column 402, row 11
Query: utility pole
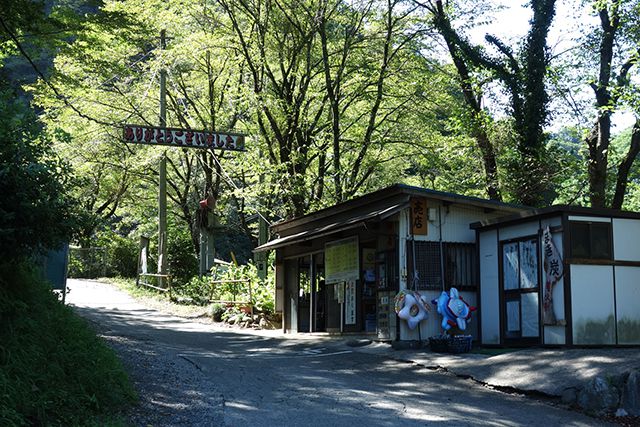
column 162, row 188
column 178, row 138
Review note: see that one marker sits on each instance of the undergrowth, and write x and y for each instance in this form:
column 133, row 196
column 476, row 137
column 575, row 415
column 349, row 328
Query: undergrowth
column 54, row 370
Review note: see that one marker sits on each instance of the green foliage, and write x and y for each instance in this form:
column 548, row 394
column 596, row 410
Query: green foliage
column 87, row 263
column 217, row 310
column 53, row 369
column 35, row 209
column 122, row 256
column 183, row 263
column 232, row 284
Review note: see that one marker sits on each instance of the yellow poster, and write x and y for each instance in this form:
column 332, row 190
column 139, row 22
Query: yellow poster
column 341, row 260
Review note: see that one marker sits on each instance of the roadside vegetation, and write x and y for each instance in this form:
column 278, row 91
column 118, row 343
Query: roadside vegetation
column 54, row 370
column 222, row 296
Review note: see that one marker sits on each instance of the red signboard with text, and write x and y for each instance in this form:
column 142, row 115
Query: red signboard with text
column 186, row 138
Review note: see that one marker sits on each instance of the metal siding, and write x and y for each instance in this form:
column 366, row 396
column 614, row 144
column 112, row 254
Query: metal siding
column 520, row 230
column 592, row 304
column 626, row 235
column 432, row 325
column 455, row 222
column 628, row 300
column 489, row 291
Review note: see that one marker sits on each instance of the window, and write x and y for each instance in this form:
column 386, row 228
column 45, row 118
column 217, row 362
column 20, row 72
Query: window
column 460, row 267
column 590, row 240
column 520, row 289
column 427, row 262
column 458, row 261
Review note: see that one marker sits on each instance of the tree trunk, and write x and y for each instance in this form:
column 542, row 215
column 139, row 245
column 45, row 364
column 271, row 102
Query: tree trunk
column 598, row 143
column 625, row 167
column 472, row 100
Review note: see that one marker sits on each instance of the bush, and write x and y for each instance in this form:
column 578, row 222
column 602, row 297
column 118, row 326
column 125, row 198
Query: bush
column 217, row 310
column 122, row 256
column 199, row 289
column 53, row 368
column 35, row 210
column 183, row 262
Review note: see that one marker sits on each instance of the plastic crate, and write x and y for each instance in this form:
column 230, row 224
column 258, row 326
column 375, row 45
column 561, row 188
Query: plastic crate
column 439, row 344
column 459, row 344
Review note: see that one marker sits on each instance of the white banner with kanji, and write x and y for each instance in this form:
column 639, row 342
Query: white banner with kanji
column 553, row 270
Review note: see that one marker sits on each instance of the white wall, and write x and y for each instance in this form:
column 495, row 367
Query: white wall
column 455, row 228
column 592, row 304
column 519, row 230
column 489, row 288
column 626, row 239
column 455, row 222
column 627, row 299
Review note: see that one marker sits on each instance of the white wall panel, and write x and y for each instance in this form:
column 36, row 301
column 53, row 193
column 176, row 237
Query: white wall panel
column 519, row 230
column 555, row 335
column 626, row 239
column 489, row 297
column 627, row 303
column 592, row 304
column 455, row 222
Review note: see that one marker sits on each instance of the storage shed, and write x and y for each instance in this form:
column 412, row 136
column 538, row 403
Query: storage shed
column 560, row 276
column 339, row 269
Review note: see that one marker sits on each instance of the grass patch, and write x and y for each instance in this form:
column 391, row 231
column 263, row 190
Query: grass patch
column 129, row 285
column 54, row 370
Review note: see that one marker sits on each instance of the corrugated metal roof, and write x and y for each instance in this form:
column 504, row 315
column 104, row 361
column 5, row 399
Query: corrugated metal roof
column 336, row 226
column 554, row 210
column 394, row 190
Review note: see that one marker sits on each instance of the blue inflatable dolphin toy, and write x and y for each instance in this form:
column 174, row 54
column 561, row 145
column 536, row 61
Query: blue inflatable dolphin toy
column 454, row 310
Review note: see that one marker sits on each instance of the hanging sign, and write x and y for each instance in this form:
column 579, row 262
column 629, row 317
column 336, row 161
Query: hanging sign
column 350, row 303
column 419, row 216
column 183, row 138
column 553, row 271
column 341, row 260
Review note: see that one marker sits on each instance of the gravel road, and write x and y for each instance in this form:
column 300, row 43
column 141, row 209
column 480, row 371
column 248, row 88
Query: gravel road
column 194, row 374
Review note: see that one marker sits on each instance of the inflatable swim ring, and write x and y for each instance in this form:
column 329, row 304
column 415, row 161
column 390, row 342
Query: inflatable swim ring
column 454, row 310
column 411, row 307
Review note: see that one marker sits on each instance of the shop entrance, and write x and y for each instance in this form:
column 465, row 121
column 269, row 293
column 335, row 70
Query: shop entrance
column 312, row 294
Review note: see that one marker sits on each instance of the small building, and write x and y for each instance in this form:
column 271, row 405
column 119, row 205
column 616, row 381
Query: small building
column 339, row 269
column 596, row 300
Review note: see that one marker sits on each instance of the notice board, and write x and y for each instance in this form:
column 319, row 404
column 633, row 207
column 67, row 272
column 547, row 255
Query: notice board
column 341, row 260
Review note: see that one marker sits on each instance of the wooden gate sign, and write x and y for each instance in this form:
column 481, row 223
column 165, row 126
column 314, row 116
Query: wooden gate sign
column 419, row 216
column 186, row 138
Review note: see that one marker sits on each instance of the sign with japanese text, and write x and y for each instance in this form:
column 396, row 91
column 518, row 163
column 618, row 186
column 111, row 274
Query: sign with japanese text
column 350, row 303
column 419, row 216
column 186, row 138
column 341, row 260
column 553, row 271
